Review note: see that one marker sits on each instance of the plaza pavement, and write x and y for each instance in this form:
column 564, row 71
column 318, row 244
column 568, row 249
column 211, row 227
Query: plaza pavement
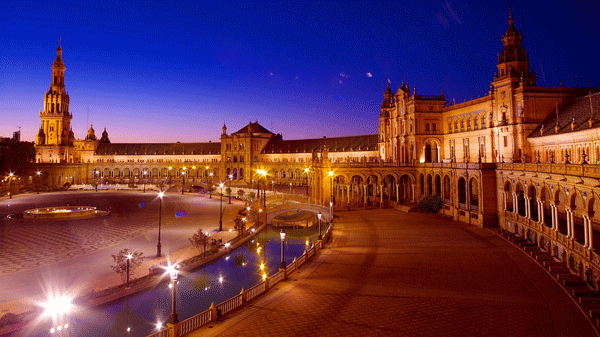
column 389, row 273
column 37, row 257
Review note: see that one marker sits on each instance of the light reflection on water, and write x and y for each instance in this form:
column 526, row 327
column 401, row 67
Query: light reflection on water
column 196, row 290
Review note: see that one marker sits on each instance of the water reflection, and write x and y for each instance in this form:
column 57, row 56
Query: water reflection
column 196, row 290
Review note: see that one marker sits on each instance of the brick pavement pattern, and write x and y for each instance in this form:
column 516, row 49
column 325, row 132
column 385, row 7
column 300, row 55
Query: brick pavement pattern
column 389, row 273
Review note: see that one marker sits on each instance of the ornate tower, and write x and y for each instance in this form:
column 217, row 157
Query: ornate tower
column 514, row 74
column 55, row 135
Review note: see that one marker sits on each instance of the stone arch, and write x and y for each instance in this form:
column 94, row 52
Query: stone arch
column 508, row 197
column 462, row 191
column 474, row 193
column 546, row 199
column 520, row 193
column 447, row 194
column 429, row 184
column 577, row 206
column 533, row 204
column 389, row 187
column 561, row 205
column 422, row 183
column 405, row 185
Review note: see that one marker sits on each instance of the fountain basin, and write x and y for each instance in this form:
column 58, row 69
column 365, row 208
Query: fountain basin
column 62, row 212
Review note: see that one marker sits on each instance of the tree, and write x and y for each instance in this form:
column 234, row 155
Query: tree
column 210, row 190
column 240, row 193
column 239, row 225
column 198, row 240
column 252, row 195
column 120, row 260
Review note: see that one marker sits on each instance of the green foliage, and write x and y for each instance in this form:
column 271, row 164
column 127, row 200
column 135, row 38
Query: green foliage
column 120, row 262
column 431, row 204
column 240, row 193
column 199, row 240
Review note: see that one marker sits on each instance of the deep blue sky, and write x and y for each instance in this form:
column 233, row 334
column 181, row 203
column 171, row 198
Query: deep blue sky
column 166, row 71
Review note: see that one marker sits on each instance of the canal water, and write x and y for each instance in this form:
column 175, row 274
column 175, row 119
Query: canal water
column 139, row 314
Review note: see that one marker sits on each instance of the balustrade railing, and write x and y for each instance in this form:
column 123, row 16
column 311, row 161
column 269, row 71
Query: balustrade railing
column 194, row 322
column 230, row 305
column 255, row 291
column 210, row 315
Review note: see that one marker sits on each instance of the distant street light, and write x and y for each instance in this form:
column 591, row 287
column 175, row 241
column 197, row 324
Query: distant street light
column 145, row 181
column 182, row 180
column 306, row 171
column 282, row 234
column 158, row 246
column 38, row 173
column 229, row 197
column 319, row 216
column 221, row 209
column 173, row 272
column 129, row 256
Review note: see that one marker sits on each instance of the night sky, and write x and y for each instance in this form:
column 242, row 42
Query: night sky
column 167, row 72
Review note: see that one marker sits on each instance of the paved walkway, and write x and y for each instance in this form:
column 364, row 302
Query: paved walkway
column 390, row 273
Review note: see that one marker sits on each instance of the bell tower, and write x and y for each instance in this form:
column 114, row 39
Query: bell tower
column 56, row 119
column 55, row 136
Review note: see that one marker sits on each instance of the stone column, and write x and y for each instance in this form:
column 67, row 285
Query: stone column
column 504, row 199
column 397, row 194
column 569, row 223
column 541, row 215
column 527, row 209
column 515, row 203
column 438, row 154
column 380, row 195
column 413, row 193
column 590, row 232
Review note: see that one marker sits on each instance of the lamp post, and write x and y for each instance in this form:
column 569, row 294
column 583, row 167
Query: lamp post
column 331, row 212
column 331, row 186
column 221, row 209
column 96, row 179
column 39, row 181
column 173, row 272
column 290, row 188
column 144, row 181
column 229, row 194
column 207, row 175
column 306, row 171
column 129, row 256
column 282, row 264
column 319, row 216
column 10, row 178
column 182, row 180
column 273, row 186
column 213, row 186
column 158, row 246
column 169, row 173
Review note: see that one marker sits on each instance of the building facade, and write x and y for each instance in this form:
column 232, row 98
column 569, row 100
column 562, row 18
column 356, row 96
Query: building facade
column 523, row 157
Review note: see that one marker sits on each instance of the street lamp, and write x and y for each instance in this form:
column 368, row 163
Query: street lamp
column 182, row 180
column 331, row 212
column 331, row 186
column 173, row 272
column 39, row 181
column 221, row 209
column 160, row 197
column 96, row 179
column 319, row 216
column 145, row 181
column 290, row 188
column 129, row 256
column 169, row 173
column 282, row 234
column 207, row 175
column 229, row 197
column 306, row 171
column 58, row 308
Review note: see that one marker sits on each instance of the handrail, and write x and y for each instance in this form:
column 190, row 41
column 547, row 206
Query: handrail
column 230, row 305
column 194, row 322
column 255, row 291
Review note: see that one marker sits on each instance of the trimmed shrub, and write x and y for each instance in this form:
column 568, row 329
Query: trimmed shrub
column 431, row 204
